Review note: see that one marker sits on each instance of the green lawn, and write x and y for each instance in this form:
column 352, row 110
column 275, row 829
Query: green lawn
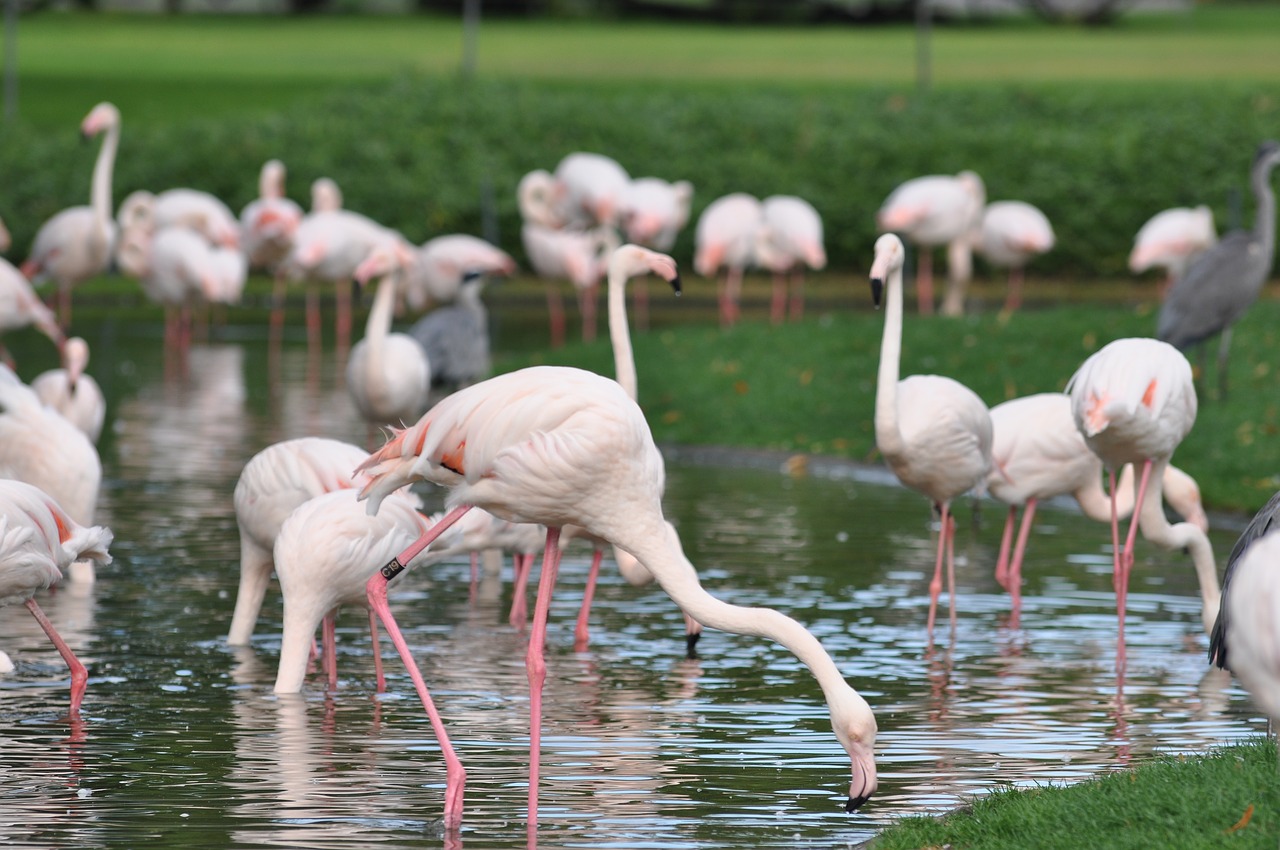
column 161, row 68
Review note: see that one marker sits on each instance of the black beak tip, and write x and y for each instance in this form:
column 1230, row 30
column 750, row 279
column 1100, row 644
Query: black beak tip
column 691, row 645
column 676, row 285
column 877, row 290
column 855, row 803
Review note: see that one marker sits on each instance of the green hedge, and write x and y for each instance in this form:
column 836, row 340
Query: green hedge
column 414, row 154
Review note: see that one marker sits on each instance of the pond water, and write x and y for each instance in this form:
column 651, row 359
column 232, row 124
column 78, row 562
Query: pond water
column 181, row 741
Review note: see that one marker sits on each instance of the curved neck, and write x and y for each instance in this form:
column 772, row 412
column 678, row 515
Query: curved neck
column 624, row 362
column 888, row 434
column 1096, row 504
column 100, row 194
column 1264, row 223
column 378, row 324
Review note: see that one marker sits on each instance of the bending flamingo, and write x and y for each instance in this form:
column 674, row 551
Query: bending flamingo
column 726, row 238
column 38, row 539
column 789, row 240
column 934, row 432
column 1012, row 234
column 73, row 392
column 561, row 446
column 20, row 307
column 1134, row 402
column 1171, row 239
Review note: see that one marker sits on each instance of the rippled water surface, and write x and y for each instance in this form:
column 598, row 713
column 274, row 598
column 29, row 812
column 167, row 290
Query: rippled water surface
column 181, row 741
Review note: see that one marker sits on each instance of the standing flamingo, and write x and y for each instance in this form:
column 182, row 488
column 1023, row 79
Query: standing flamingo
column 38, row 539
column 73, row 392
column 937, row 210
column 934, row 432
column 1012, row 234
column 178, row 269
column 1134, row 402
column 1038, row 453
column 268, row 222
column 562, row 446
column 443, row 263
column 652, row 214
column 1248, row 617
column 593, row 188
column 388, row 375
column 573, row 255
column 1171, row 239
column 726, row 237
column 75, row 244
column 789, row 240
column 540, row 199
column 20, row 307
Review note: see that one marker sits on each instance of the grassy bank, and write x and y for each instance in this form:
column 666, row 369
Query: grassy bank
column 1228, row 798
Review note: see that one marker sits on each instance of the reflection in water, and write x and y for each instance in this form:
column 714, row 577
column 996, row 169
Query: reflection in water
column 182, row 734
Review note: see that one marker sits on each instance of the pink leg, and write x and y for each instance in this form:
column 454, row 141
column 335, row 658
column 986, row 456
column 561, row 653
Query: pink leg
column 1014, row 299
column 1006, row 540
column 376, row 590
column 329, row 636
column 587, row 308
column 377, row 653
column 580, row 634
column 722, row 296
column 733, row 290
column 342, row 322
column 778, row 303
column 555, row 312
column 1015, row 569
column 536, row 664
column 949, row 531
column 520, row 589
column 935, row 586
column 797, row 295
column 313, row 319
column 1124, row 563
column 924, row 281
column 79, row 675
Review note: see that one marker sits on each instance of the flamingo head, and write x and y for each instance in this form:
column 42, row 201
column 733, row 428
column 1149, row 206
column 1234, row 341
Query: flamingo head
column 631, row 260
column 890, row 256
column 271, row 180
column 75, row 357
column 101, row 117
column 855, row 728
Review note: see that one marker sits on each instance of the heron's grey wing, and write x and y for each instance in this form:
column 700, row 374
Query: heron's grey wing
column 1263, row 521
column 1215, row 290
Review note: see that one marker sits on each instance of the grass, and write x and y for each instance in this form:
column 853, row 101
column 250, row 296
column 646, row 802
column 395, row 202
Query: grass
column 1228, row 798
column 164, row 68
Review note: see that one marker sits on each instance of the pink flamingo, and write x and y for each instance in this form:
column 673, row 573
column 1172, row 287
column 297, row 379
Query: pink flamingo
column 573, row 255
column 726, row 237
column 38, row 539
column 444, row 262
column 267, row 223
column 1171, row 239
column 653, row 212
column 326, row 550
column 1011, row 235
column 1134, row 402
column 178, row 269
column 21, row 307
column 593, row 187
column 73, row 392
column 789, row 240
column 540, row 198
column 937, row 210
column 75, row 244
column 1038, row 453
column 934, row 432
column 531, row 446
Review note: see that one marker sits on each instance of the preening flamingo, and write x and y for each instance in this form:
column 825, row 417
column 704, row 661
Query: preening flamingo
column 73, row 392
column 267, row 223
column 443, row 263
column 75, row 244
column 576, row 256
column 1172, row 238
column 1038, row 453
column 561, row 446
column 388, row 376
column 725, row 237
column 1249, row 610
column 1013, row 233
column 593, row 186
column 38, row 539
column 934, row 432
column 178, row 269
column 937, row 210
column 540, row 198
column 1224, row 281
column 325, row 553
column 20, row 307
column 789, row 240
column 1134, row 402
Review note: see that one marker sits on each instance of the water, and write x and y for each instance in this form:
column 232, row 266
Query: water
column 181, row 741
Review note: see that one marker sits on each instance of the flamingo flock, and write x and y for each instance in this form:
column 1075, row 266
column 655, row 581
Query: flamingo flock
column 537, row 457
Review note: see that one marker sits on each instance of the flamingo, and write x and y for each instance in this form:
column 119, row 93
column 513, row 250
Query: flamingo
column 75, row 244
column 388, row 376
column 38, row 539
column 325, row 195
column 579, row 257
column 443, row 263
column 937, row 210
column 178, row 269
column 20, row 307
column 1250, row 609
column 1038, row 453
column 1171, row 239
column 267, row 223
column 1012, row 234
column 934, row 432
column 201, row 211
column 561, row 446
column 593, row 188
column 789, row 240
column 73, row 392
column 1134, row 402
column 540, row 198
column 653, row 212
column 324, row 554
column 725, row 237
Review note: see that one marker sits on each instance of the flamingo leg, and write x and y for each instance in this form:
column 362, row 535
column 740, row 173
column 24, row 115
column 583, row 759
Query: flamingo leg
column 1015, row 569
column 520, row 590
column 778, row 303
column 949, row 532
column 924, row 281
column 935, row 586
column 733, row 293
column 342, row 321
column 536, row 664
column 587, row 308
column 797, row 295
column 277, row 304
column 1014, row 299
column 377, row 653
column 555, row 313
column 580, row 632
column 313, row 319
column 79, row 675
column 1006, row 540
column 329, row 637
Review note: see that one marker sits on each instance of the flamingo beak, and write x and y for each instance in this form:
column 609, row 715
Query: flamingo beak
column 864, row 778
column 877, row 290
column 676, row 285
